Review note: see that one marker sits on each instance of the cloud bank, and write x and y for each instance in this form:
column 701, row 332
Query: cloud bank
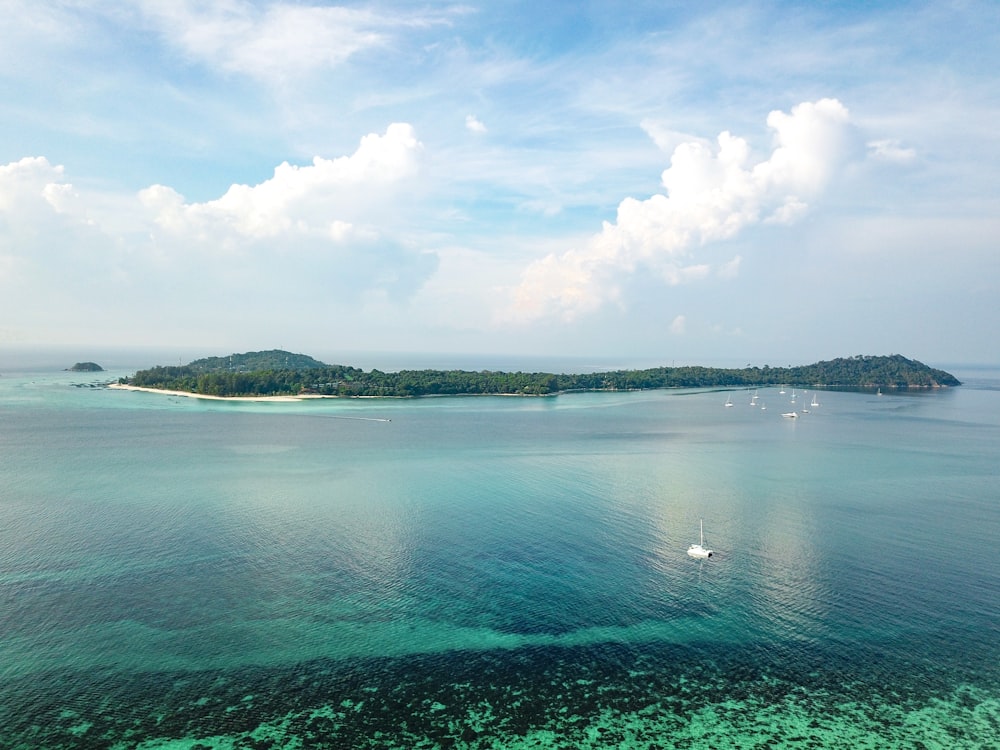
column 336, row 232
column 711, row 193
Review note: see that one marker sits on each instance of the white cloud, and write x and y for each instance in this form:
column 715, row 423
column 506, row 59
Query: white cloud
column 24, row 181
column 314, row 239
column 278, row 40
column 473, row 124
column 333, row 229
column 55, row 259
column 324, row 198
column 270, row 42
column 678, row 325
column 711, row 194
column 891, row 150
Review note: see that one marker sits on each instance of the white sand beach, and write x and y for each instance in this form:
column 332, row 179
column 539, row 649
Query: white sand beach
column 186, row 394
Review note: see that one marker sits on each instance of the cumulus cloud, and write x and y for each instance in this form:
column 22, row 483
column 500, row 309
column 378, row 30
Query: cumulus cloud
column 711, row 193
column 41, row 211
column 25, row 182
column 55, row 257
column 333, row 226
column 322, row 199
column 28, row 189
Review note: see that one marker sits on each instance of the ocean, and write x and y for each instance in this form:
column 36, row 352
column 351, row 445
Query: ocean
column 488, row 572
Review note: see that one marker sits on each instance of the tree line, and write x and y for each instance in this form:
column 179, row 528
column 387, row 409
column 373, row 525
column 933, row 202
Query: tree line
column 229, row 379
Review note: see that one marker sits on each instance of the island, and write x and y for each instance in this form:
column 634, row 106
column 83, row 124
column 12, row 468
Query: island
column 277, row 373
column 86, row 367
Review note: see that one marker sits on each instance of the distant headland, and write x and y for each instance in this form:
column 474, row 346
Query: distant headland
column 277, row 373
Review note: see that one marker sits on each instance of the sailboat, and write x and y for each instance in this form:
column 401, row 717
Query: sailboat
column 698, row 550
column 729, row 400
column 815, row 401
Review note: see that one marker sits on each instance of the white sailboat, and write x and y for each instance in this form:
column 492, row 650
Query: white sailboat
column 729, row 400
column 698, row 550
column 815, row 401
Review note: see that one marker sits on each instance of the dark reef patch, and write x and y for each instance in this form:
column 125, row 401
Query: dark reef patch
column 653, row 695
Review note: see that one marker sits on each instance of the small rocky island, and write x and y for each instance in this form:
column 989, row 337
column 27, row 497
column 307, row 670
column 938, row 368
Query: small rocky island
column 281, row 373
column 85, row 367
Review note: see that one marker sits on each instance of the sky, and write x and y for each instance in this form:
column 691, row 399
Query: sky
column 633, row 182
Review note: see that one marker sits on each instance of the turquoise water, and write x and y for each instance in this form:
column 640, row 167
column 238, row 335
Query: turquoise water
column 498, row 572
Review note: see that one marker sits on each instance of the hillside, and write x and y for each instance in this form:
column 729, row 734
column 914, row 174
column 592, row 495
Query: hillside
column 273, row 359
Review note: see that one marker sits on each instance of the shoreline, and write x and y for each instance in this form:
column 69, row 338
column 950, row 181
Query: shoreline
column 188, row 394
column 315, row 396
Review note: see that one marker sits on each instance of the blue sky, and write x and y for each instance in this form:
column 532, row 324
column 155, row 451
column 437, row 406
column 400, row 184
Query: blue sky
column 639, row 182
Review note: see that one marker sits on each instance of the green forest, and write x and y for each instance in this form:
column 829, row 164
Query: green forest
column 280, row 373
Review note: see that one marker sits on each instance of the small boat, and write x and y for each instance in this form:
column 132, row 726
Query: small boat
column 729, row 400
column 790, row 415
column 815, row 401
column 698, row 550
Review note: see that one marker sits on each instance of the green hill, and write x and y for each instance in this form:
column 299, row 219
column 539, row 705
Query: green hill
column 273, row 359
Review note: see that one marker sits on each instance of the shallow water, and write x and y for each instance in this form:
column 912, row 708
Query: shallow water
column 497, row 572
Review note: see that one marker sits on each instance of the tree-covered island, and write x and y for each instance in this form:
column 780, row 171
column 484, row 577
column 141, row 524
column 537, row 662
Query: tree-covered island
column 281, row 373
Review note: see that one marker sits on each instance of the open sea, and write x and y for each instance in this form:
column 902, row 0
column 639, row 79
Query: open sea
column 488, row 572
